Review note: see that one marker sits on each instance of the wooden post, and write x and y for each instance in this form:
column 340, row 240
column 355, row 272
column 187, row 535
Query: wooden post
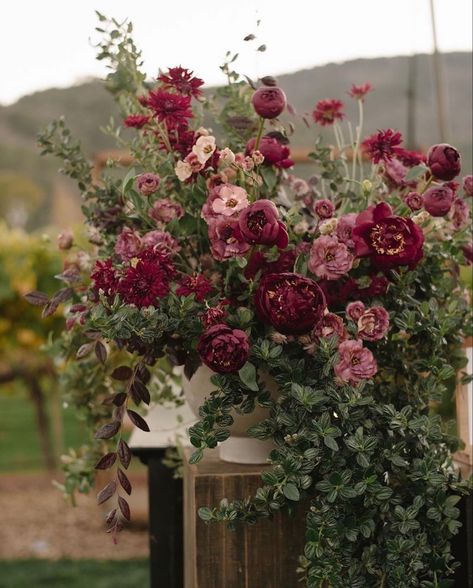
column 252, row 556
column 464, row 406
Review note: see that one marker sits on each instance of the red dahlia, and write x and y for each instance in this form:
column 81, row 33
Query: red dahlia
column 105, row 277
column 136, row 121
column 326, row 112
column 359, row 92
column 198, row 285
column 383, row 145
column 182, row 80
column 172, row 109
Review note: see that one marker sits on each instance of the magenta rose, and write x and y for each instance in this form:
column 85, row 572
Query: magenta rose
column 274, row 152
column 345, row 229
column 389, row 240
column 355, row 363
column 223, row 349
column 438, row 200
column 259, row 224
column 414, row 200
column 329, row 325
column 128, row 244
column 225, row 239
column 324, row 208
column 165, row 211
column 329, row 258
column 148, row 183
column 269, row 102
column 444, row 161
column 373, row 324
column 291, row 303
column 355, row 309
column 468, row 186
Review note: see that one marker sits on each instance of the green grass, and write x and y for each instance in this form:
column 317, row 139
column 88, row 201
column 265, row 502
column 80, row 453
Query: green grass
column 37, row 573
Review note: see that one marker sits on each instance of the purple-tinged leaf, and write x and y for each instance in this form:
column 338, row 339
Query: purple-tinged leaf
column 119, row 399
column 124, row 481
column 122, row 373
column 106, row 461
column 109, row 430
column 138, row 420
column 111, row 518
column 62, row 295
column 100, row 351
column 84, row 350
column 107, row 492
column 141, row 391
column 124, row 453
column 124, row 507
column 37, row 298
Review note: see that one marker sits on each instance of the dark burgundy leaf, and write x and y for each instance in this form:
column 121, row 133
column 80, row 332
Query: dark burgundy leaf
column 69, row 276
column 106, row 461
column 111, row 517
column 191, row 365
column 124, row 481
column 119, row 398
column 106, row 492
column 49, row 309
column 118, row 413
column 37, row 298
column 122, row 373
column 124, row 453
column 62, row 295
column 141, row 390
column 250, row 82
column 138, row 420
column 135, row 395
column 100, row 351
column 124, row 507
column 109, row 430
column 143, row 373
column 84, row 350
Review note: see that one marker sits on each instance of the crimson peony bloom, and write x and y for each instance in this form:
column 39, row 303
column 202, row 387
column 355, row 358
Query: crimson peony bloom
column 291, row 303
column 438, row 200
column 225, row 238
column 172, row 109
column 274, row 152
column 383, row 145
column 329, row 258
column 136, row 121
column 105, row 278
column 223, row 349
column 444, row 161
column 355, row 363
column 414, row 200
column 198, row 285
column 259, row 224
column 183, row 81
column 269, row 102
column 327, row 111
column 373, row 324
column 359, row 92
column 148, row 183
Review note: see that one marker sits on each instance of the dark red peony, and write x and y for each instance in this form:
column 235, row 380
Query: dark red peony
column 269, row 102
column 259, row 224
column 291, row 303
column 438, row 200
column 389, row 240
column 274, row 152
column 444, row 161
column 223, row 349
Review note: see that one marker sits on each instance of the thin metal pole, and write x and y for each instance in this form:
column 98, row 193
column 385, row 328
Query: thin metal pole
column 411, row 138
column 439, row 89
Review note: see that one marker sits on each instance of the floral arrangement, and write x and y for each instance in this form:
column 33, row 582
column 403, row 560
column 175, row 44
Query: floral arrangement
column 343, row 288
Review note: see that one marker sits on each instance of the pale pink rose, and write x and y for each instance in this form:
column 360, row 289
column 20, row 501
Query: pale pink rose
column 459, row 213
column 330, row 324
column 165, row 210
column 355, row 362
column 225, row 239
column 355, row 309
column 161, row 240
column 345, row 229
column 128, row 244
column 373, row 324
column 148, row 183
column 204, row 148
column 225, row 200
column 329, row 258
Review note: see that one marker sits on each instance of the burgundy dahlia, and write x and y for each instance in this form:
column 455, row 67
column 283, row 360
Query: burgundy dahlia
column 291, row 303
column 223, row 349
column 105, row 278
column 389, row 240
column 269, row 102
column 326, row 112
column 359, row 92
column 274, row 152
column 259, row 224
column 444, row 161
column 438, row 200
column 136, row 121
column 172, row 109
column 182, row 80
column 383, row 145
column 197, row 284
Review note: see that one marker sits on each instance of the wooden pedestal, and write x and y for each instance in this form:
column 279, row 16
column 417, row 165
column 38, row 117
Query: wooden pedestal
column 264, row 555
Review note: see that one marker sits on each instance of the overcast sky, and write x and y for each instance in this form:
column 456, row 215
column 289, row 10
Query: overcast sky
column 46, row 43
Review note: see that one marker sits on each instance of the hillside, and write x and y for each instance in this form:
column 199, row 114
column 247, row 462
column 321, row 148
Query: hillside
column 88, row 106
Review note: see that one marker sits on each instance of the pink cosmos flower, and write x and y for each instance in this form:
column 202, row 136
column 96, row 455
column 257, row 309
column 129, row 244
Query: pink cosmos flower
column 329, row 258
column 359, row 92
column 161, row 241
column 225, row 200
column 328, row 111
column 355, row 363
column 128, row 244
column 345, row 229
column 165, row 210
column 324, row 208
column 355, row 309
column 225, row 238
column 373, row 324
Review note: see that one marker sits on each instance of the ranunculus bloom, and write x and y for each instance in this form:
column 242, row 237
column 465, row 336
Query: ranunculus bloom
column 128, row 244
column 225, row 238
column 414, row 200
column 204, row 148
column 326, row 112
column 65, row 240
column 161, row 240
column 389, row 240
column 324, row 208
column 198, row 285
column 383, row 145
column 274, row 152
column 329, row 258
column 355, row 363
column 259, row 224
column 329, row 325
column 468, row 185
column 345, row 229
column 225, row 200
column 373, row 324
column 355, row 309
column 291, row 303
column 148, row 183
column 444, row 161
column 165, row 210
column 438, row 200
column 359, row 92
column 459, row 213
column 269, row 102
column 136, row 121
column 223, row 349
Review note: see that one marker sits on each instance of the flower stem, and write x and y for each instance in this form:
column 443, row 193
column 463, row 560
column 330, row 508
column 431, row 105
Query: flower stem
column 358, row 139
column 260, row 133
